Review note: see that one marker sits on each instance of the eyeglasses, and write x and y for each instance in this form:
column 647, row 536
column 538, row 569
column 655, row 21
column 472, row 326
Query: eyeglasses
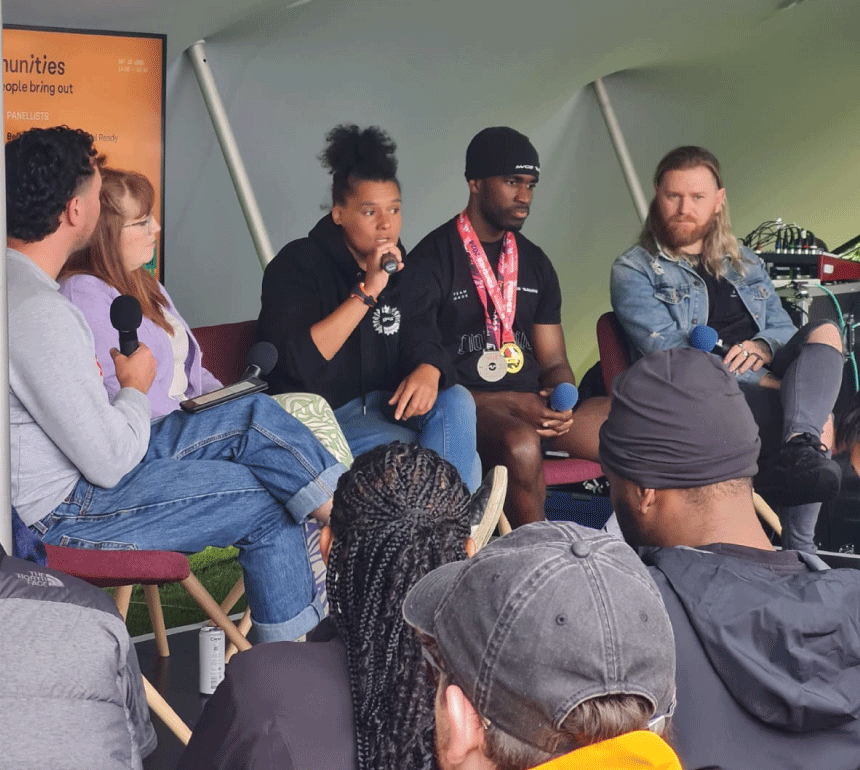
column 147, row 223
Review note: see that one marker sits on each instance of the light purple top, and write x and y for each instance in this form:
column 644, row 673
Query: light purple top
column 94, row 297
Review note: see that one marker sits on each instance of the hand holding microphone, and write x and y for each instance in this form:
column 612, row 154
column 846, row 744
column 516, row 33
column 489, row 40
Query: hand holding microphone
column 125, row 317
column 561, row 401
column 739, row 358
column 380, row 266
column 134, row 363
column 563, row 397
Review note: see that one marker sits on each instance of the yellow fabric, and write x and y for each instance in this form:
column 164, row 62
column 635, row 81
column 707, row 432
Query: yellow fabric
column 640, row 750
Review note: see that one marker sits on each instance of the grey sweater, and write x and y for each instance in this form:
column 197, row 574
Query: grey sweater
column 62, row 424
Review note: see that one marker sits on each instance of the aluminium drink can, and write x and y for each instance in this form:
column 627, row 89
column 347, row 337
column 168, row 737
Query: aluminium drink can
column 211, row 658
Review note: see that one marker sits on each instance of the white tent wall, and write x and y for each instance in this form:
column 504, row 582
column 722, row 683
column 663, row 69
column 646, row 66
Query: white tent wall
column 581, row 182
column 779, row 117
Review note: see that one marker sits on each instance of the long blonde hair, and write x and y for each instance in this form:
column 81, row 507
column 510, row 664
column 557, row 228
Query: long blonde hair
column 719, row 242
column 102, row 258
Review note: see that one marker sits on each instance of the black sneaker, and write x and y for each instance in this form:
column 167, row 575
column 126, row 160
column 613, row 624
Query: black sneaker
column 486, row 505
column 800, row 473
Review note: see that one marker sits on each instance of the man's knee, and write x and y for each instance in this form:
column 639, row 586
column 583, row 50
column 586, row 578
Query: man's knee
column 826, row 333
column 522, row 449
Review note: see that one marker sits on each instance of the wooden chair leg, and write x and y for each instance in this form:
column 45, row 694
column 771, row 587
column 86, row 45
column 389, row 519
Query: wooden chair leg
column 214, row 611
column 236, row 593
column 156, row 617
column 122, row 597
column 767, row 514
column 244, row 626
column 165, row 713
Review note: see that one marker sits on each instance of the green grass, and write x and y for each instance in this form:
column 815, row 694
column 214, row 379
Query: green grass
column 216, row 568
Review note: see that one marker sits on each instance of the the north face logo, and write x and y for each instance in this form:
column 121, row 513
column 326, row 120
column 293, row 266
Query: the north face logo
column 386, row 320
column 40, row 579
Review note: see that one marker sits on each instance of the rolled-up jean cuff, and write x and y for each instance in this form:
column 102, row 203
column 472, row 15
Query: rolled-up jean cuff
column 289, row 630
column 311, row 496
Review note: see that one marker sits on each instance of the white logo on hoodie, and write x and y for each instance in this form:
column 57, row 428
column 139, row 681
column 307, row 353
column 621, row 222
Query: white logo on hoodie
column 386, row 320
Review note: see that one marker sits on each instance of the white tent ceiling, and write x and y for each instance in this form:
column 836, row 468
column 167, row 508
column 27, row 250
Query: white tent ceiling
column 772, row 92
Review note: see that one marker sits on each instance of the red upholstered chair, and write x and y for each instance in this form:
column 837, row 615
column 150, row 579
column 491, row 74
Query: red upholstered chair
column 225, row 346
column 612, row 345
column 561, row 473
column 121, row 570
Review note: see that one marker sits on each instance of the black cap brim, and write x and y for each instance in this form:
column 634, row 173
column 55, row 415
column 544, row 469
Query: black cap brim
column 424, row 598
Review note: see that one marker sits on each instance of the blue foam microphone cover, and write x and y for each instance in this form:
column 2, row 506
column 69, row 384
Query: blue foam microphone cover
column 704, row 338
column 564, row 397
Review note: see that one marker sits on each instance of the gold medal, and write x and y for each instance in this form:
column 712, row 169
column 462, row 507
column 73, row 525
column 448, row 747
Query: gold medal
column 514, row 356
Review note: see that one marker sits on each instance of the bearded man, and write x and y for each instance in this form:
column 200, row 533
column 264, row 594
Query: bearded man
column 689, row 270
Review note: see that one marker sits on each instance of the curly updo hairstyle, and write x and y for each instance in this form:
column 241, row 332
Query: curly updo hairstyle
column 398, row 513
column 44, row 169
column 353, row 155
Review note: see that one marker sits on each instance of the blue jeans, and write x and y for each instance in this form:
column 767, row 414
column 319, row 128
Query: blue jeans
column 448, row 428
column 245, row 473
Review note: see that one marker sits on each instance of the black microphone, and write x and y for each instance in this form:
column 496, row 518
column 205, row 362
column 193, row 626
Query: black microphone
column 125, row 317
column 389, row 263
column 261, row 359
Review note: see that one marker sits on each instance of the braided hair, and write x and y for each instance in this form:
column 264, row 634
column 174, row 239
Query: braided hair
column 398, row 513
column 353, row 155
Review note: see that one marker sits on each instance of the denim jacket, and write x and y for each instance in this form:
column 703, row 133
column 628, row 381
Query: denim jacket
column 658, row 300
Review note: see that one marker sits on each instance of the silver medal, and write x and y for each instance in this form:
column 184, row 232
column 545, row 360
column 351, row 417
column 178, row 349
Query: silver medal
column 492, row 366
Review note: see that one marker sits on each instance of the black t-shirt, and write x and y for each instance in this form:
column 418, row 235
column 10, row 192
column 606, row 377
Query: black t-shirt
column 446, row 273
column 727, row 314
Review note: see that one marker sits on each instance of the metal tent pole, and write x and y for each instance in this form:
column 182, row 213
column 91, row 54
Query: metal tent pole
column 621, row 150
column 221, row 124
column 5, row 465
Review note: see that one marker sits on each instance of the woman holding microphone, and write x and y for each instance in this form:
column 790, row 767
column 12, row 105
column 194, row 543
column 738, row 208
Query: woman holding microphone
column 332, row 306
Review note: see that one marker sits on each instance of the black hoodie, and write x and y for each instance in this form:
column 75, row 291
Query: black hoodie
column 307, row 281
column 768, row 650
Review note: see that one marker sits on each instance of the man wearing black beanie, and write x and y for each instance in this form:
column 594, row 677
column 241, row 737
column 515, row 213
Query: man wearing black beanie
column 497, row 302
column 767, row 642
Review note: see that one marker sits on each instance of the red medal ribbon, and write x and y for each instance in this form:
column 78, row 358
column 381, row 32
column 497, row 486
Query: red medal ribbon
column 504, row 297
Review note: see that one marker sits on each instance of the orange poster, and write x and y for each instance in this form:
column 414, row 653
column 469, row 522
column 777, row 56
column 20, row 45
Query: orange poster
column 109, row 84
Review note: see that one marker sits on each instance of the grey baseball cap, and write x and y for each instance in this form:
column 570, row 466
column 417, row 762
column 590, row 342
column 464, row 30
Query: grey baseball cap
column 543, row 619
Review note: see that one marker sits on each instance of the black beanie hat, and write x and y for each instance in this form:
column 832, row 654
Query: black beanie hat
column 501, row 151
